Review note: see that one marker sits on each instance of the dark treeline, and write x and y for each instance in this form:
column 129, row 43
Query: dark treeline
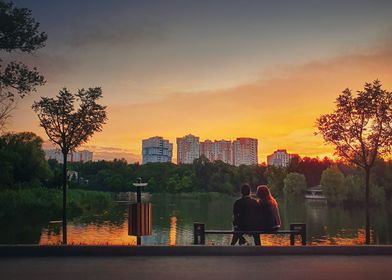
column 201, row 176
column 23, row 165
column 311, row 168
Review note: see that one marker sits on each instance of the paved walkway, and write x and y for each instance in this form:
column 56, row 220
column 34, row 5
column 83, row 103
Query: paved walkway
column 198, row 267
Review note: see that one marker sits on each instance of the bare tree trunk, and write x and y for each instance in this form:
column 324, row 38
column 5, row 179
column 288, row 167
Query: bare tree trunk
column 367, row 224
column 65, row 198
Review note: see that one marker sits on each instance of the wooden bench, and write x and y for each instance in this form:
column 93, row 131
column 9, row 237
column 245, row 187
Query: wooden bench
column 200, row 232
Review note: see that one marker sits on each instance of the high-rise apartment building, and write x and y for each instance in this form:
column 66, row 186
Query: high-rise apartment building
column 280, row 158
column 188, row 149
column 156, row 149
column 245, row 151
column 217, row 150
column 80, row 156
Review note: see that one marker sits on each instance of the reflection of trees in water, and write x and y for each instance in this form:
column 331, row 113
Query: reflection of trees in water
column 317, row 217
column 382, row 224
column 21, row 227
column 17, row 229
column 173, row 218
column 114, row 214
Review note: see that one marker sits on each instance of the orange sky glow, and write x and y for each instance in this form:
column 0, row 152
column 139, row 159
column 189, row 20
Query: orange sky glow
column 280, row 110
column 215, row 69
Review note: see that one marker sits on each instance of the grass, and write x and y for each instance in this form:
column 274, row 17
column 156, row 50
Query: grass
column 48, row 202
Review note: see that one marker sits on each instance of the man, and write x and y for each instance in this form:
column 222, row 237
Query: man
column 245, row 216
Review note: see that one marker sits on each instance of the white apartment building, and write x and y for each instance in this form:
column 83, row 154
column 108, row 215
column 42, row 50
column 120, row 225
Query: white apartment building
column 156, row 149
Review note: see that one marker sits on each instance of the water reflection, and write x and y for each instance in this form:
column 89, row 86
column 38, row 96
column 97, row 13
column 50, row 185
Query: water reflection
column 89, row 234
column 173, row 219
column 173, row 231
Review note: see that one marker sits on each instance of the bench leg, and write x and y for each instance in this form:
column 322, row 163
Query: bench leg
column 199, row 236
column 303, row 234
column 302, row 229
column 292, row 236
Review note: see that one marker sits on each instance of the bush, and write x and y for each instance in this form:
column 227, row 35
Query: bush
column 48, row 202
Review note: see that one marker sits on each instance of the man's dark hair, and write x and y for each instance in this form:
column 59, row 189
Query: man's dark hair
column 245, row 189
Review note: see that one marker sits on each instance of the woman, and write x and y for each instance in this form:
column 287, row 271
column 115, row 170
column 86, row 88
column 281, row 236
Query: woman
column 269, row 218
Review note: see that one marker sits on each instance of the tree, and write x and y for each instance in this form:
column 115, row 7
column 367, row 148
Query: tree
column 22, row 160
column 333, row 185
column 294, row 185
column 69, row 128
column 275, row 176
column 360, row 128
column 18, row 31
column 310, row 167
column 355, row 194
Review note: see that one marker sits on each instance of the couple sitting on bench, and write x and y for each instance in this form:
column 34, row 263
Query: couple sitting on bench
column 255, row 215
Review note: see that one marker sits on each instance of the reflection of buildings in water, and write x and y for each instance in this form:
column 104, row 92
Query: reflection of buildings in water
column 173, row 231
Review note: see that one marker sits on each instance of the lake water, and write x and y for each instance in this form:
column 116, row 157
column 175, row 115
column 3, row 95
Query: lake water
column 173, row 218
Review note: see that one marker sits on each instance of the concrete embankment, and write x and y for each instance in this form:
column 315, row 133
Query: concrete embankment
column 7, row 251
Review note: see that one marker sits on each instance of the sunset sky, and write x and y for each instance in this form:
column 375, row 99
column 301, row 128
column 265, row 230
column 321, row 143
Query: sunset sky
column 216, row 69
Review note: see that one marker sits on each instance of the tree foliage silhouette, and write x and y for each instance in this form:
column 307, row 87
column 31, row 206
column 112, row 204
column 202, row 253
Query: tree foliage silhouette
column 360, row 128
column 18, row 32
column 68, row 128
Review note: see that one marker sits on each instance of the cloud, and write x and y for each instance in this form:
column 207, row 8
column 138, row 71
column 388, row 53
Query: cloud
column 110, row 153
column 102, row 152
column 134, row 34
column 280, row 111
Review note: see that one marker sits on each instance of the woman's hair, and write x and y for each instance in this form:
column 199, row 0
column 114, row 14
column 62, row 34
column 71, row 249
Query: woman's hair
column 264, row 194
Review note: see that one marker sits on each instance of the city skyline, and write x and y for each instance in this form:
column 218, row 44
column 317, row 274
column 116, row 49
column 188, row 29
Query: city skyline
column 262, row 69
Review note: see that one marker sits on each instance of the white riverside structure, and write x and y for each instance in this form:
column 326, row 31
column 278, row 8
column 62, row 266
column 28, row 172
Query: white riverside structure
column 156, row 149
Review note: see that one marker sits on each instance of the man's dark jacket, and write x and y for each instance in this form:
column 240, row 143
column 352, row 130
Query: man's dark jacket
column 245, row 212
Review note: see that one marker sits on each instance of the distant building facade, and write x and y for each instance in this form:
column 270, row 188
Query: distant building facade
column 188, row 149
column 217, row 150
column 245, row 151
column 280, row 158
column 80, row 156
column 156, row 149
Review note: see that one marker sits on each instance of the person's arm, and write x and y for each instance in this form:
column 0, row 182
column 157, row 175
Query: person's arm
column 278, row 222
